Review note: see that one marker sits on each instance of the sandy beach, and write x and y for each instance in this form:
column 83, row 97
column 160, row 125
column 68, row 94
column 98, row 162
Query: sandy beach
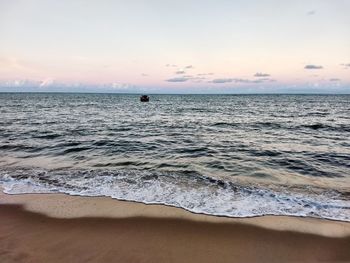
column 62, row 228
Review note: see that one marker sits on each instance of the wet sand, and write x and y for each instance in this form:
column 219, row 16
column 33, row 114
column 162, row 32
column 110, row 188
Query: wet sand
column 60, row 228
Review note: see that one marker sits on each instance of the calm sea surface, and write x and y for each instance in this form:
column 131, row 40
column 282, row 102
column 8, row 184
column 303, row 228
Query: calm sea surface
column 230, row 155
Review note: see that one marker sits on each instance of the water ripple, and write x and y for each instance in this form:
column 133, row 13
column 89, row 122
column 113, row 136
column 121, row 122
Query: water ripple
column 265, row 139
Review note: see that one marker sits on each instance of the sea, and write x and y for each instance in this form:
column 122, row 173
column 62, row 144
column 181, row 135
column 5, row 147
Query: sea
column 223, row 155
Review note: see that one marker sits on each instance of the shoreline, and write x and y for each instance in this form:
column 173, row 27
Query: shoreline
column 65, row 206
column 63, row 228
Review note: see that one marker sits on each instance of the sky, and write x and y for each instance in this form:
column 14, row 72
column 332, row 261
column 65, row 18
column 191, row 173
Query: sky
column 183, row 46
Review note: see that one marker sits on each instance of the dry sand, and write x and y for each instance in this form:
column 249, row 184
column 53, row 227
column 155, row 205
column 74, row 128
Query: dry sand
column 60, row 228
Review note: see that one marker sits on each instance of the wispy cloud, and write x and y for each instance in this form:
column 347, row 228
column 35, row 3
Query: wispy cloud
column 180, row 79
column 239, row 80
column 197, row 80
column 334, row 79
column 311, row 12
column 345, row 65
column 225, row 80
column 205, row 74
column 120, row 86
column 310, row 66
column 259, row 75
column 180, row 68
column 254, row 81
column 46, row 82
column 20, row 83
column 183, row 78
column 263, row 80
column 49, row 84
column 244, row 81
column 180, row 72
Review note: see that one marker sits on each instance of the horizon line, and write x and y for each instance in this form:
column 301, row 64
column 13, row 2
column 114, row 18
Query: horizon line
column 140, row 93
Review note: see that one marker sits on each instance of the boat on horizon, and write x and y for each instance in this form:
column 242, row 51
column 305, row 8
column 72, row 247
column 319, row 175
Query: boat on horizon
column 144, row 98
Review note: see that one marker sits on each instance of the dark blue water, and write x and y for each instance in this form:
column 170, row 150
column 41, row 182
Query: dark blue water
column 228, row 155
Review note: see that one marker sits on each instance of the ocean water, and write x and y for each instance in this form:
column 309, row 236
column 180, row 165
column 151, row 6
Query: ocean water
column 229, row 155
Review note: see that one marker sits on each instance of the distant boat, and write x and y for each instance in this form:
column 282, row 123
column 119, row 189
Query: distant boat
column 144, row 98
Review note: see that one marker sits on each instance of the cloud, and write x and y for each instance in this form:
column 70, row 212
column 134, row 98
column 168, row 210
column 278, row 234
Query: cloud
column 20, row 83
column 181, row 79
column 259, row 74
column 50, row 84
column 205, row 74
column 46, row 82
column 254, row 81
column 311, row 12
column 245, row 81
column 313, row 67
column 144, row 75
column 334, row 79
column 239, row 80
column 170, row 65
column 120, row 86
column 189, row 66
column 263, row 80
column 196, row 79
column 346, row 65
column 180, row 72
column 186, row 78
column 25, row 83
column 225, row 80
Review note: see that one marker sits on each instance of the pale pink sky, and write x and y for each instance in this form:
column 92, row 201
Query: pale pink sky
column 175, row 45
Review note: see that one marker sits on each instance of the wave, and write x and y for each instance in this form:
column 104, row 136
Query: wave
column 189, row 190
column 284, row 126
column 321, row 126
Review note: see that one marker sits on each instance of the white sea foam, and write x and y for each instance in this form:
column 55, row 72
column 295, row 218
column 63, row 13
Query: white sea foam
column 193, row 192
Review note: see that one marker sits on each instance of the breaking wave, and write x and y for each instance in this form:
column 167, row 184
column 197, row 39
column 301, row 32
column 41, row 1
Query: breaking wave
column 191, row 191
